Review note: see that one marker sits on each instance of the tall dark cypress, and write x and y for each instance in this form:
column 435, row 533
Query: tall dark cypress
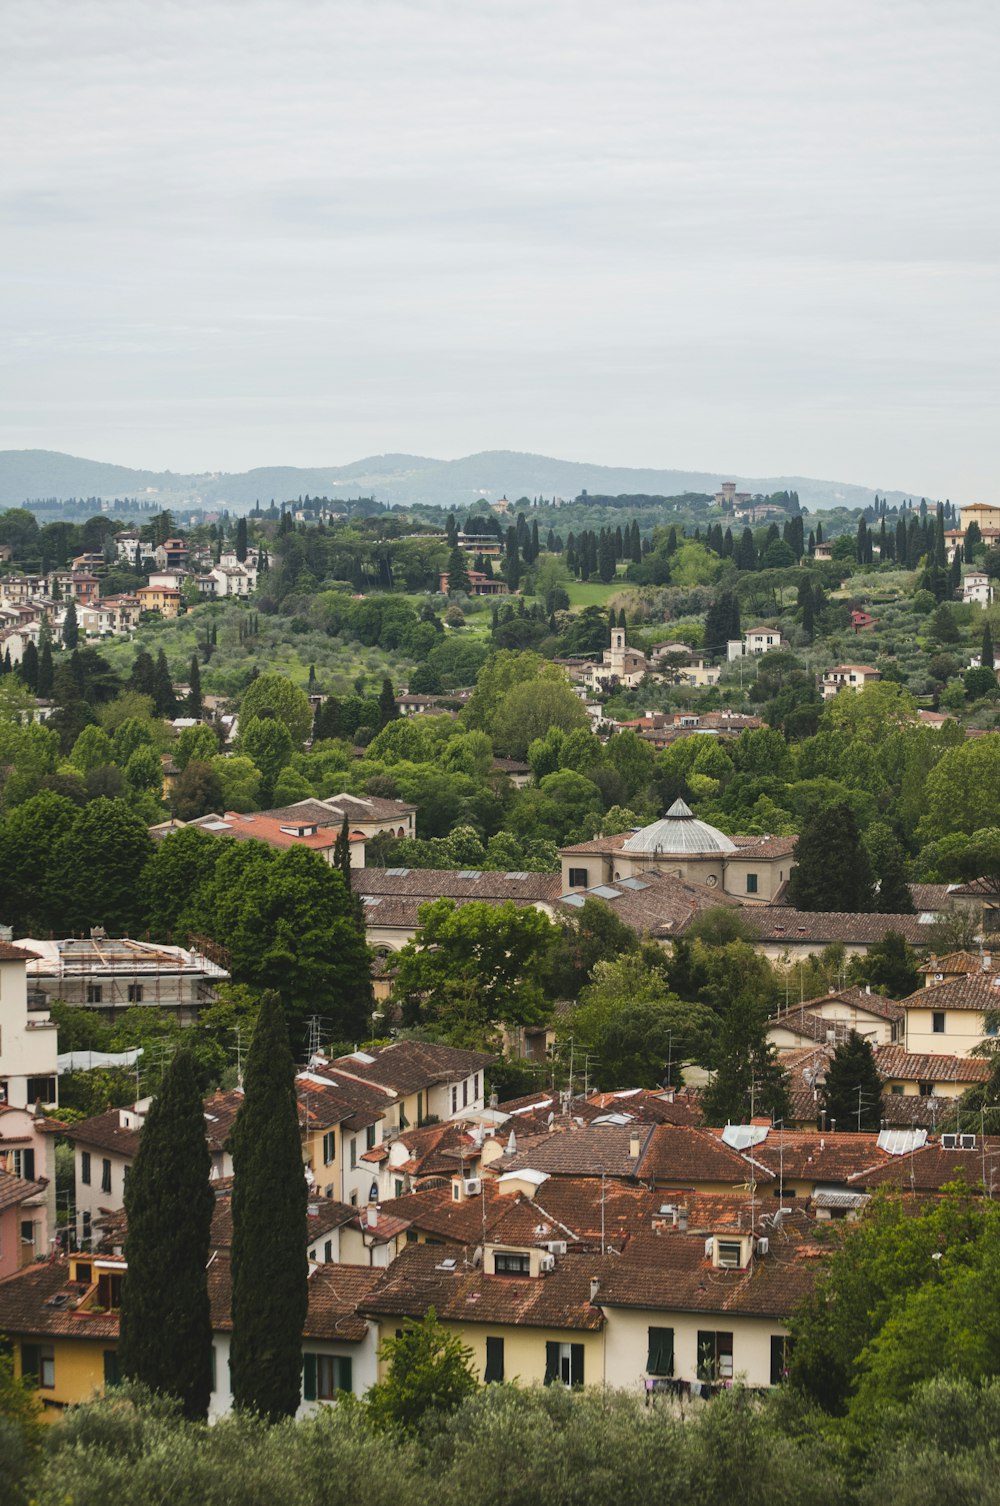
column 269, row 1263
column 166, row 1330
column 194, row 703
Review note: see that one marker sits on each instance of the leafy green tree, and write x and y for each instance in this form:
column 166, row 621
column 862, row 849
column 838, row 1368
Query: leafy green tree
column 197, row 792
column 831, row 869
column 429, row 1372
column 177, row 868
column 28, row 836
column 269, row 1263
column 93, row 878
column 852, row 1090
column 195, row 742
column 960, row 792
column 469, row 970
column 640, row 1032
column 890, row 966
column 268, row 743
column 593, row 935
column 887, row 860
column 979, row 683
column 749, row 1079
column 166, row 1327
column 387, row 703
column 530, row 708
column 273, row 694
column 92, row 750
column 240, row 781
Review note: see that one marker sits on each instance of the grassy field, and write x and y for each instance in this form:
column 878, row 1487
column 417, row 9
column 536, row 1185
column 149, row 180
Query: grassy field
column 592, row 593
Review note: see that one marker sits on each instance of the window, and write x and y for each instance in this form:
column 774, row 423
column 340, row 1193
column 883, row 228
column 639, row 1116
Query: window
column 85, row 1167
column 751, row 883
column 370, row 1137
column 505, row 1264
column 660, row 1355
column 329, row 1147
column 715, row 1355
column 135, row 993
column 354, row 1152
column 897, row 1088
column 323, row 1375
column 398, row 1187
column 38, row 1363
column 112, row 1372
column 937, row 1022
column 494, row 1361
column 41, row 1089
column 24, row 1164
column 109, row 1290
column 730, row 1254
column 578, row 878
column 465, row 1093
column 781, row 1353
column 95, row 993
column 926, row 1089
column 564, row 1364
column 475, row 1086
column 86, row 1227
column 105, row 1175
column 454, row 1100
column 328, row 1252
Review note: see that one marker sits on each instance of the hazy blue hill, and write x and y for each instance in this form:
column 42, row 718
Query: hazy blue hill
column 403, row 479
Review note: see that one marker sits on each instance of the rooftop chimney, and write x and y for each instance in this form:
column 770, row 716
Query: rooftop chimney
column 594, row 1288
column 372, row 1215
column 634, row 1144
column 682, row 1220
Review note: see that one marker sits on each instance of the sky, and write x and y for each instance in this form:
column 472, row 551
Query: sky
column 748, row 236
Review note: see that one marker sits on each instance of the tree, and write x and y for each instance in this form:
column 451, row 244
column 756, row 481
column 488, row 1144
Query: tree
column 93, row 877
column 275, row 695
column 979, row 683
column 429, row 1372
column 960, row 792
column 269, row 1263
column 890, row 966
column 387, row 703
column 985, row 657
column 831, row 869
column 195, row 742
column 469, row 970
column 530, row 708
column 71, row 628
column 28, row 836
column 458, row 575
column 175, row 871
column 888, row 865
column 640, row 1031
column 241, row 549
column 749, row 1079
column 193, row 705
column 594, row 934
column 852, row 1091
column 268, row 743
column 164, row 698
column 166, row 1327
column 198, row 791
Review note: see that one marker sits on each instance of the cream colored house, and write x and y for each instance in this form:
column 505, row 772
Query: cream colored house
column 829, row 1019
column 28, row 1045
column 847, row 677
column 955, row 1016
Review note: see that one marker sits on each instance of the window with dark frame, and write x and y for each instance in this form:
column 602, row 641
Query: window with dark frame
column 507, row 1263
column 660, row 1352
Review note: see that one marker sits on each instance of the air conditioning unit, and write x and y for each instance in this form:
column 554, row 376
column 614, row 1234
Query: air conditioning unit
column 547, row 1263
column 556, row 1246
column 949, row 1142
column 473, row 1186
column 967, row 1142
column 763, row 1245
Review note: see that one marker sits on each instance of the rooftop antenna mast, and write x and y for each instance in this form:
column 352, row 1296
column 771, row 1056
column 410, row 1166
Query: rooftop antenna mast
column 313, row 1040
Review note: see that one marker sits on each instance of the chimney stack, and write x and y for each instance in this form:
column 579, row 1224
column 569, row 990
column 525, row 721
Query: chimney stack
column 682, row 1220
column 634, row 1143
column 372, row 1215
column 594, row 1288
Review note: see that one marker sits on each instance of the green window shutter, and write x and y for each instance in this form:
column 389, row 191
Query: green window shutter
column 576, row 1364
column 551, row 1364
column 112, row 1376
column 781, row 1346
column 344, row 1374
column 309, row 1377
column 494, row 1361
column 31, row 1361
column 660, row 1359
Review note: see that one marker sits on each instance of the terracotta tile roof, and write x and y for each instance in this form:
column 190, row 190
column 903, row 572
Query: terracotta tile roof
column 9, row 953
column 649, row 1106
column 978, row 991
column 24, row 1308
column 980, row 888
column 408, row 1066
column 896, row 1062
column 677, row 1155
column 561, row 1300
column 779, row 923
column 953, row 962
column 331, row 812
column 812, row 1156
column 764, row 847
column 260, row 827
column 672, row 1155
column 15, row 1190
column 652, row 904
column 671, row 1273
column 400, row 912
column 325, row 1102
column 930, row 1167
column 105, row 1132
column 429, row 884
column 930, row 896
column 598, row 845
column 579, row 1152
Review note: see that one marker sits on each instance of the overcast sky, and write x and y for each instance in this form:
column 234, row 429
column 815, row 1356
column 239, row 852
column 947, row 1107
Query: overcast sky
column 752, row 236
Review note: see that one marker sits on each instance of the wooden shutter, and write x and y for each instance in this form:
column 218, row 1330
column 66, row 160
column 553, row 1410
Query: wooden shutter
column 31, row 1362
column 309, row 1377
column 660, row 1359
column 494, row 1361
column 551, row 1364
column 576, row 1364
column 111, row 1372
column 344, row 1371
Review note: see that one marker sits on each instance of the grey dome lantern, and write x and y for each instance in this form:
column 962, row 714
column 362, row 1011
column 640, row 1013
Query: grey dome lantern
column 679, row 832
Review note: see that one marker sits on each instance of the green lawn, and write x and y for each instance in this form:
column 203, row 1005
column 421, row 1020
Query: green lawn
column 593, row 593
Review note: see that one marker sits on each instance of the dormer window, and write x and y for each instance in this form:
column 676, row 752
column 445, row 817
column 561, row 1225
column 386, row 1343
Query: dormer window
column 506, row 1263
column 729, row 1254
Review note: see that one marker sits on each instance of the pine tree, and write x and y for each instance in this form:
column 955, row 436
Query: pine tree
column 166, row 1329
column 831, row 869
column 269, row 1264
column 852, row 1091
column 71, row 627
column 194, row 702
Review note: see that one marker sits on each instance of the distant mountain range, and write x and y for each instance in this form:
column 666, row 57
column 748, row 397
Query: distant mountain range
column 403, row 479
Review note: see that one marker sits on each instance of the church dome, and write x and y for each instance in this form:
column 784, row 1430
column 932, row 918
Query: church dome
column 679, row 832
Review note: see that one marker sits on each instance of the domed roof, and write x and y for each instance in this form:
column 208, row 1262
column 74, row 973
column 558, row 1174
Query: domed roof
column 679, row 832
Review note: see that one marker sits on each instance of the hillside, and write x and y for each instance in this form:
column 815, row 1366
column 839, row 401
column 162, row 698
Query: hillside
column 403, row 479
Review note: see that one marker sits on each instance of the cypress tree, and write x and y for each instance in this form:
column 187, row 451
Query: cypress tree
column 986, row 658
column 241, row 540
column 166, row 1329
column 269, row 1264
column 71, row 629
column 163, row 688
column 28, row 667
column 852, row 1091
column 832, row 871
column 194, row 703
column 386, row 703
column 45, row 670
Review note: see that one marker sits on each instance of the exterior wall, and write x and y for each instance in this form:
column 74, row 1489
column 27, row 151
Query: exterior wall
column 184, row 994
column 21, row 1125
column 963, row 1029
column 770, row 877
column 79, row 1372
column 787, row 950
column 28, row 1041
column 909, row 1087
column 628, row 1336
column 360, row 1248
column 90, row 1198
column 364, row 1368
column 524, row 1348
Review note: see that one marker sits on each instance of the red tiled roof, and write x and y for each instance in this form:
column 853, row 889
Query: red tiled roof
column 896, row 1062
column 977, row 991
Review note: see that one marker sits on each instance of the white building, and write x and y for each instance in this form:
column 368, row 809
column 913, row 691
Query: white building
column 758, row 640
column 101, row 973
column 847, row 677
column 977, row 587
column 28, row 1046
